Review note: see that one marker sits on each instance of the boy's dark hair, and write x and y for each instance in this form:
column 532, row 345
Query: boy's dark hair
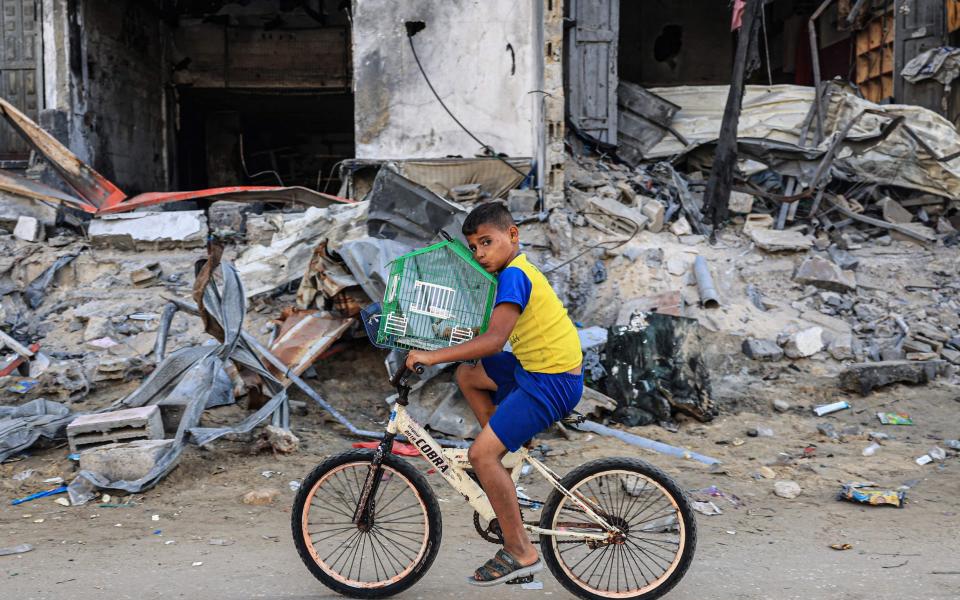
column 488, row 213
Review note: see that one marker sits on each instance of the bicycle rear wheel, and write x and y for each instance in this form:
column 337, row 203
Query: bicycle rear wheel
column 658, row 532
column 366, row 562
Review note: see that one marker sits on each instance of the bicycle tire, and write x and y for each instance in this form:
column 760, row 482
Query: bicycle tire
column 308, row 553
column 686, row 524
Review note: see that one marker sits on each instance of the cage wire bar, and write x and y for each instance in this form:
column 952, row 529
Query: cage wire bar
column 436, row 297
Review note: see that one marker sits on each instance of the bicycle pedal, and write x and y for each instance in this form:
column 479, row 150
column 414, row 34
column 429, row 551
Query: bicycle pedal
column 519, row 580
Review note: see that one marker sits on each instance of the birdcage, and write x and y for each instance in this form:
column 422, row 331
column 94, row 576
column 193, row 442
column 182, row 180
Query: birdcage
column 436, row 297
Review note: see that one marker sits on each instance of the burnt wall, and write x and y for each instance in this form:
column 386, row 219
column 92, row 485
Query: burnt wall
column 672, row 42
column 120, row 105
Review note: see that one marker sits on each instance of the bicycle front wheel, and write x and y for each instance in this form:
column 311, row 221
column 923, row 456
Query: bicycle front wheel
column 655, row 539
column 366, row 561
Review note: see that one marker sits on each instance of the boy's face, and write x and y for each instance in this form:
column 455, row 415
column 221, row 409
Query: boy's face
column 493, row 247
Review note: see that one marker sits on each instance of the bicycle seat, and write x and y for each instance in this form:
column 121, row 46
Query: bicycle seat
column 574, row 418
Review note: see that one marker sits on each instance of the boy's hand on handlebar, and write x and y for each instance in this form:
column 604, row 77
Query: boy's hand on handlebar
column 419, row 356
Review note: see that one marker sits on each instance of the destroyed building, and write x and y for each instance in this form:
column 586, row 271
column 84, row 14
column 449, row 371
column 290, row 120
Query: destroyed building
column 307, row 143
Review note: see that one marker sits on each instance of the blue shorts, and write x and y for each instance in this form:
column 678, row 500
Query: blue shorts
column 527, row 403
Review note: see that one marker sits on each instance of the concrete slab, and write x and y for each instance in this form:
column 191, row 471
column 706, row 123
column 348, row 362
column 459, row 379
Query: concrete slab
column 150, row 230
column 127, row 461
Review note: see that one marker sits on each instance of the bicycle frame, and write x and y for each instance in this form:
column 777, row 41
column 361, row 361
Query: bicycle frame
column 450, row 464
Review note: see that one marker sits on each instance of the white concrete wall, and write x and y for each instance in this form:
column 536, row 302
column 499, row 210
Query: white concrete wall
column 464, row 52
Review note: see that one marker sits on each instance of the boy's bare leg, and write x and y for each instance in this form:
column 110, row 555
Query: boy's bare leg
column 485, row 455
column 476, row 387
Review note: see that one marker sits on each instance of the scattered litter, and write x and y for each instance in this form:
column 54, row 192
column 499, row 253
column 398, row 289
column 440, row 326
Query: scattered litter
column 63, row 501
column 23, row 386
column 155, row 518
column 219, row 542
column 102, row 343
column 871, row 449
column 169, row 542
column 197, row 564
column 269, row 474
column 706, row 508
column 938, row 454
column 842, row 546
column 826, row 409
column 952, row 444
column 16, row 549
column 294, row 485
column 38, row 520
column 704, row 495
column 54, row 480
column 864, row 493
column 533, row 585
column 894, row 418
column 924, row 460
column 24, row 475
column 52, row 492
column 767, row 473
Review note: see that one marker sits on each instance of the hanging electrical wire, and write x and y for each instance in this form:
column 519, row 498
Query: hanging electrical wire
column 412, row 29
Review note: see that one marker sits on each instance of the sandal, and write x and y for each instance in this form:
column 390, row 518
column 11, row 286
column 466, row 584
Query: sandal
column 502, row 568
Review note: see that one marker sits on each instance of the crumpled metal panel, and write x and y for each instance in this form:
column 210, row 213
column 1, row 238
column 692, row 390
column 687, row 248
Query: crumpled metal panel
column 911, row 156
column 191, row 377
column 92, row 186
column 303, row 337
column 22, row 426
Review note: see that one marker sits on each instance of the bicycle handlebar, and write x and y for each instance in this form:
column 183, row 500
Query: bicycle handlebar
column 402, row 373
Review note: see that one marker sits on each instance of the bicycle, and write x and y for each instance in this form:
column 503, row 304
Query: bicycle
column 367, row 524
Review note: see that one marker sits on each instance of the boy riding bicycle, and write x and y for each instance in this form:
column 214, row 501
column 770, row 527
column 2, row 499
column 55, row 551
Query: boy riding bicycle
column 513, row 395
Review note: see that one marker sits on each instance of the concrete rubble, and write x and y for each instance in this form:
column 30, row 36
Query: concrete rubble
column 135, row 333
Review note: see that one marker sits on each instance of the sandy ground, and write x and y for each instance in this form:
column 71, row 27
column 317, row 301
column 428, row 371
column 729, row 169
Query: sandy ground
column 768, row 547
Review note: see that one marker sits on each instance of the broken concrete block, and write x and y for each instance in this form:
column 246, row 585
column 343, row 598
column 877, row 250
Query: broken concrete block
column 610, row 216
column 228, row 218
column 261, row 497
column 146, row 275
column 127, row 461
column 627, row 194
column 142, row 423
column 756, row 221
column 930, row 332
column 773, row 240
column 866, row 377
column 740, row 203
column 787, row 489
column 843, row 259
column 951, row 355
column 97, row 328
column 522, row 201
column 150, row 230
column 29, row 229
column 681, row 227
column 826, row 275
column 893, row 212
column 914, row 345
column 804, row 343
column 653, row 210
column 841, row 348
column 762, row 350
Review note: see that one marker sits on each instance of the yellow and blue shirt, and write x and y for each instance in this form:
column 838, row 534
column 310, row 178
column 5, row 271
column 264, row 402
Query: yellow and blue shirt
column 544, row 339
column 534, row 386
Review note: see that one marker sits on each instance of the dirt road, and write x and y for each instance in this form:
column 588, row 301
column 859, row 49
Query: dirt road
column 769, row 547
